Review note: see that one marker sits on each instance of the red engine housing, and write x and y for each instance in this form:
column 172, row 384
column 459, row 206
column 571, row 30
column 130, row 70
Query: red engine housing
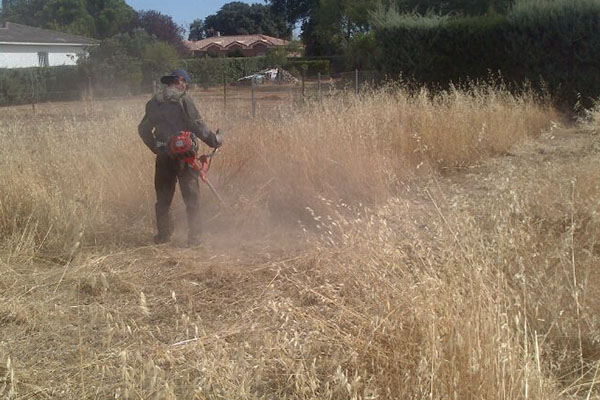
column 183, row 145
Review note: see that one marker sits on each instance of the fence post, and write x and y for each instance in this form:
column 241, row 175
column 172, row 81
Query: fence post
column 33, row 99
column 303, row 79
column 90, row 89
column 356, row 80
column 33, row 95
column 224, row 88
column 253, row 97
column 319, row 84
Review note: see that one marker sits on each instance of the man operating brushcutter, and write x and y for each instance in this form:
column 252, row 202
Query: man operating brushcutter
column 172, row 122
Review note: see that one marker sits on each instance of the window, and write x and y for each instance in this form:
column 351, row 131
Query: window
column 43, row 59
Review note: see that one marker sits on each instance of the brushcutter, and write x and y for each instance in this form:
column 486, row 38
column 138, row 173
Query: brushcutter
column 205, row 160
column 184, row 147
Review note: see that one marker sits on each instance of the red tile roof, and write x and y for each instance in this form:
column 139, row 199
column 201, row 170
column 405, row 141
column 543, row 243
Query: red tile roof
column 224, row 42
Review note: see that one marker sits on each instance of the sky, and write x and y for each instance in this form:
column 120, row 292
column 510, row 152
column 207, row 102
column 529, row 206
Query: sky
column 183, row 11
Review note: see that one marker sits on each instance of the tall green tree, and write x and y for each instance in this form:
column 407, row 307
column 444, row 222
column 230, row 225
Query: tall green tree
column 197, row 30
column 69, row 16
column 162, row 27
column 4, row 7
column 332, row 24
column 26, row 12
column 129, row 59
column 95, row 18
column 111, row 17
column 294, row 11
column 238, row 18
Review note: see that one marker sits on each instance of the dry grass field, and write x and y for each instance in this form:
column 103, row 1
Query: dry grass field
column 386, row 246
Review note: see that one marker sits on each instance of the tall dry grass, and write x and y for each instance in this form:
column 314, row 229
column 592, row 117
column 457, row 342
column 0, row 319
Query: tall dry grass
column 416, row 281
column 84, row 169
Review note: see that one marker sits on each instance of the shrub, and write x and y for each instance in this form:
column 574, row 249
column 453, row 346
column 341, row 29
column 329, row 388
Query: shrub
column 551, row 43
column 556, row 41
column 310, row 66
column 362, row 50
column 128, row 62
column 159, row 58
column 211, row 71
column 32, row 85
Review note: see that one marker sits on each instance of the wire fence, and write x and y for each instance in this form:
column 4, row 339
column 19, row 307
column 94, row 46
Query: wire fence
column 251, row 93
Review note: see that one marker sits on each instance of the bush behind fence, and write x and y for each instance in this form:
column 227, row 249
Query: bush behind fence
column 34, row 85
column 39, row 85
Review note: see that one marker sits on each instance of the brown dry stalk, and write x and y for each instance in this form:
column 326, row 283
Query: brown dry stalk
column 394, row 245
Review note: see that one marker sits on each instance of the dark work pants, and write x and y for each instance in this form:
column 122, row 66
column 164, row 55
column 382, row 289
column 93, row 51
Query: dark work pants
column 168, row 172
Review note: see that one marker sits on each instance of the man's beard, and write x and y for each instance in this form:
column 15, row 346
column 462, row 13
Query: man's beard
column 173, row 93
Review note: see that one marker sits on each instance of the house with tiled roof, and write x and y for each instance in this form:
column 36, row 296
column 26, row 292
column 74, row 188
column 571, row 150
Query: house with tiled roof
column 23, row 46
column 244, row 45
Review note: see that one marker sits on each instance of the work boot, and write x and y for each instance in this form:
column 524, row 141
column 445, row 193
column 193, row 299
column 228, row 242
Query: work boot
column 160, row 239
column 194, row 240
column 194, row 228
column 164, row 225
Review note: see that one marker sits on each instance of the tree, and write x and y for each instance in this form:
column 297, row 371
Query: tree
column 278, row 56
column 197, row 30
column 111, row 17
column 116, row 61
column 237, row 18
column 329, row 25
column 162, row 27
column 26, row 12
column 4, row 8
column 159, row 57
column 129, row 59
column 362, row 51
column 96, row 18
column 294, row 11
column 68, row 16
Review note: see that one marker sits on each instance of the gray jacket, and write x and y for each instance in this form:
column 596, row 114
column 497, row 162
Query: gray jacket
column 169, row 113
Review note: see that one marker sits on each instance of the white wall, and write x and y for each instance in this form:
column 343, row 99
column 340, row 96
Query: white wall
column 21, row 56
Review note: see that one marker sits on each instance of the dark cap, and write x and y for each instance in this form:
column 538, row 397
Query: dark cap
column 178, row 73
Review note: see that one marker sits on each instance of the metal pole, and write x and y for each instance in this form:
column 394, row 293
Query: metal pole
column 253, row 97
column 303, row 78
column 90, row 89
column 224, row 88
column 319, row 84
column 356, row 80
column 33, row 95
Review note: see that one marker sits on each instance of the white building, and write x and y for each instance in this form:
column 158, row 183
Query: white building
column 23, row 46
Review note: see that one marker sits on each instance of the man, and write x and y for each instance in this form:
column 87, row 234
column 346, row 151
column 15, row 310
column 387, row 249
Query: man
column 168, row 113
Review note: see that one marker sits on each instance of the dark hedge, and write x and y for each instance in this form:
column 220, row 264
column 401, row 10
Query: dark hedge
column 34, row 85
column 552, row 46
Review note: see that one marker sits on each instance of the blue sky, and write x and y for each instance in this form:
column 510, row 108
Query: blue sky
column 183, row 11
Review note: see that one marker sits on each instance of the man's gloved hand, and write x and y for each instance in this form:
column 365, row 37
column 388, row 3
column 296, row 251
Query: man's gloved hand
column 160, row 148
column 218, row 139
